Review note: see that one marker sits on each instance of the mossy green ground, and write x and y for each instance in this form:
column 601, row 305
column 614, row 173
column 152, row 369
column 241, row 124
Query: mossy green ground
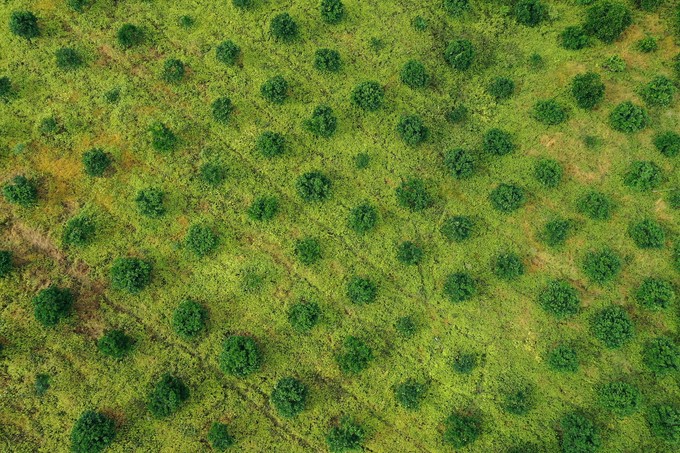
column 503, row 324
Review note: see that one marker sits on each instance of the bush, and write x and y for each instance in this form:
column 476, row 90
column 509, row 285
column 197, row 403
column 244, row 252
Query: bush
column 460, row 163
column 114, row 343
column 167, row 396
column 348, row 435
column 460, row 54
column 263, row 208
column 304, row 315
column 588, row 90
column 130, row 274
column 530, row 12
column 368, row 95
column 414, row 75
column 667, row 143
column 327, row 60
column 497, row 142
column 619, row 397
column 228, row 52
column 221, row 109
column 647, row 234
column 410, row 394
column 361, row 161
column 186, row 21
column 560, row 299
column 548, row 172
column 628, row 117
column 189, row 319
column 243, row 4
column 459, row 287
column 78, row 231
column 501, row 88
column 201, row 240
column 150, row 202
column 519, row 399
column 361, row 290
column 48, row 126
column 643, row 176
column 42, row 384
column 173, row 71
column 275, row 90
column 456, row 114
column 664, row 422
column 574, row 37
column 92, row 432
column 507, row 198
column 661, row 355
column 332, row 11
column 96, row 162
column 363, row 218
column 607, row 20
column 549, row 112
column 595, row 205
column 456, row 7
column 673, row 199
column 271, row 144
column 464, row 363
column 283, row 28
column 162, row 138
column 219, row 437
column 21, row 192
column 563, row 358
column 412, row 130
column 240, row 356
column 655, row 293
column 457, row 228
column 24, row 24
column 555, row 232
column 322, row 123
column 413, row 195
column 289, row 397
column 308, row 250
column 508, row 266
column 461, row 429
column 612, row 326
column 51, row 305
column 5, row 88
column 578, row 434
column 129, row 36
column 313, row 186
column 68, row 59
column 356, row 356
column 409, row 253
column 648, row 5
column 601, row 266
column 659, row 92
column 6, row 264
column 212, row 174
column 406, row 326
column 647, row 44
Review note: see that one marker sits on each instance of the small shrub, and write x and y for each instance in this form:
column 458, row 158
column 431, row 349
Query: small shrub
column 275, row 90
column 212, row 174
column 228, row 52
column 409, row 394
column 130, row 274
column 413, row 195
column 501, row 88
column 361, row 290
column 648, row 44
column 647, row 234
column 550, row 112
column 51, row 305
column 412, row 130
column 167, row 396
column 456, row 114
column 673, row 199
column 457, row 228
column 406, row 326
column 6, row 265
column 332, row 11
column 348, row 435
column 189, row 319
column 271, row 144
column 607, row 20
column 648, row 5
column 186, row 21
column 460, row 163
column 508, row 266
column 129, row 36
column 459, row 287
column 464, row 363
column 588, row 90
column 414, row 75
column 628, row 117
column 322, row 123
column 363, row 218
column 327, row 60
column 659, row 92
column 201, row 240
column 42, row 384
column 419, row 23
column 243, row 4
column 595, row 205
column 560, row 299
column 96, row 162
column 240, row 356
column 263, row 208
column 409, row 253
column 655, row 293
column 619, row 397
column 284, row 28
column 162, row 138
column 661, row 355
column 461, row 430
column 48, row 126
column 361, row 161
column 289, row 397
column 519, row 398
column 21, row 191
column 643, row 176
column 304, row 315
column 24, row 24
column 667, row 143
column 556, row 232
column 368, row 95
column 221, row 109
column 460, row 54
column 456, row 7
column 536, row 62
column 601, row 266
column 93, row 432
column 78, row 231
column 173, row 70
column 114, row 343
column 614, row 64
column 308, row 250
column 578, row 434
column 664, row 422
column 507, row 198
column 612, row 326
column 498, row 142
column 219, row 437
column 313, row 186
column 574, row 37
column 150, row 202
column 356, row 356
column 563, row 358
column 530, row 12
column 5, row 88
column 548, row 172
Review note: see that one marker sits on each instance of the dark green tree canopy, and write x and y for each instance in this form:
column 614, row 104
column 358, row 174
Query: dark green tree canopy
column 413, row 195
column 21, row 191
column 355, row 357
column 129, row 36
column 332, row 11
column 460, row 54
column 347, row 435
column 289, row 397
column 168, row 396
column 368, row 95
column 201, row 240
column 588, row 90
column 115, row 343
column 363, row 218
column 461, row 429
column 414, row 75
column 361, row 290
column 602, row 266
column 284, row 28
column 304, row 315
column 240, row 356
column 560, row 299
column 52, row 304
column 189, row 319
column 150, row 202
column 607, row 20
column 322, row 123
column 92, row 432
column 313, row 186
column 219, row 437
column 130, row 274
column 78, row 231
column 275, row 90
column 24, row 24
column 96, row 161
column 459, row 287
column 578, row 434
column 507, row 198
column 412, row 130
column 409, row 394
column 228, row 52
column 327, row 60
column 612, row 326
column 530, row 12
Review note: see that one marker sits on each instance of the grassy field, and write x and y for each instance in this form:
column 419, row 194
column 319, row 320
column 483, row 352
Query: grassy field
column 249, row 282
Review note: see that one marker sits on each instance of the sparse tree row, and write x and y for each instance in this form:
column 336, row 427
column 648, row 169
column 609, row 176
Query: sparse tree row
column 242, row 355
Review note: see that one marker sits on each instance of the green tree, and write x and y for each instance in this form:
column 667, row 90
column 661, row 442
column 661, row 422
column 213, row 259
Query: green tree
column 201, row 240
column 361, row 290
column 24, row 24
column 308, row 250
column 498, row 142
column 647, row 234
column 289, row 397
column 21, row 191
column 595, row 205
column 413, row 195
column 563, row 358
column 628, row 117
column 313, row 186
column 555, row 232
column 263, row 208
column 227, row 52
column 507, row 198
column 173, row 70
column 6, row 263
column 368, row 95
column 167, row 396
column 96, row 161
column 150, row 202
column 457, row 228
column 409, row 394
column 271, row 144
column 664, row 422
column 550, row 112
column 93, row 432
column 332, row 11
column 643, row 176
column 222, row 109
column 459, row 287
column 460, row 163
column 363, row 218
column 588, row 90
column 661, row 355
column 607, row 20
column 129, row 36
column 322, row 123
column 619, row 397
column 189, row 319
column 240, row 356
column 501, row 88
column 578, row 434
column 275, row 90
column 327, row 60
column 219, row 437
column 162, row 138
column 414, row 75
column 347, row 435
column 530, row 12
column 667, row 143
column 548, row 172
column 612, row 326
column 409, row 253
column 412, row 130
column 115, row 344
column 284, row 28
column 78, row 231
column 460, row 430
column 355, row 357
column 52, row 304
column 460, row 54
column 560, row 299
column 130, row 274
column 659, row 92
column 304, row 315
column 508, row 266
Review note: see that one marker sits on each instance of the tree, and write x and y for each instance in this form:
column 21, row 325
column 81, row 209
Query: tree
column 355, row 357
column 363, row 218
column 21, row 191
column 221, row 109
column 6, row 265
column 664, row 422
column 78, row 231
column 24, row 24
column 313, row 186
column 167, row 396
column 507, row 198
column 275, row 90
column 643, row 176
column 661, row 355
column 462, row 429
column 460, row 162
column 578, row 434
column 628, row 117
column 322, row 123
column 406, row 326
column 368, row 95
column 647, row 234
column 409, row 253
column 130, row 274
column 555, row 232
column 619, row 397
column 667, row 143
column 150, row 202
column 519, row 398
column 498, row 142
column 332, row 11
column 304, row 315
column 68, row 59
column 308, row 250
column 563, row 358
column 501, row 88
column 263, row 208
column 612, row 326
column 560, row 299
column 457, row 228
column 348, row 435
column 240, row 356
column 659, row 92
column 508, row 266
column 459, row 287
column 550, row 112
column 173, row 70
column 115, row 344
column 201, row 240
column 42, row 384
column 530, row 12
column 228, row 52
column 212, row 174
column 456, row 114
column 129, row 36
column 574, row 37
column 361, row 290
column 460, row 54
column 607, row 20
column 648, row 5
column 284, row 28
column 456, row 7
column 601, row 266
column 96, row 162
column 548, row 172
column 52, row 304
column 327, row 60
column 412, row 130
column 413, row 195
column 595, row 205
column 414, row 75
column 92, row 432
column 189, row 319
column 219, row 437
column 271, row 144
column 464, row 363
column 162, row 138
column 243, row 4
column 409, row 394
column 289, row 397
column 588, row 90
